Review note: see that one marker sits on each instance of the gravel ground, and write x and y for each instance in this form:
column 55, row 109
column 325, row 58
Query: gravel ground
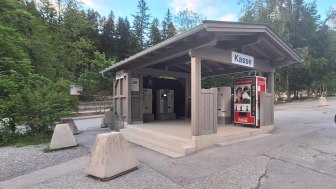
column 19, row 161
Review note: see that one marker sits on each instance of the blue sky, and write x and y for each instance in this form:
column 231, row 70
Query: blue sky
column 226, row 10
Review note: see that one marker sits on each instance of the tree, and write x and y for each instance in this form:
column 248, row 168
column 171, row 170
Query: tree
column 168, row 28
column 154, row 35
column 141, row 24
column 91, row 81
column 297, row 23
column 331, row 17
column 125, row 39
column 108, row 36
column 188, row 19
column 25, row 96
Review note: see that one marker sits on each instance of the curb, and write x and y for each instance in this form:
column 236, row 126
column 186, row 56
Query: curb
column 86, row 117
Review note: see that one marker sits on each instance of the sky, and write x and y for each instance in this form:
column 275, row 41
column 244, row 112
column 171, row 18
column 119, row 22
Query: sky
column 225, row 10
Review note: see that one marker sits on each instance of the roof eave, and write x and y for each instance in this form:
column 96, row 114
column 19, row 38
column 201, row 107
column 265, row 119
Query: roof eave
column 155, row 47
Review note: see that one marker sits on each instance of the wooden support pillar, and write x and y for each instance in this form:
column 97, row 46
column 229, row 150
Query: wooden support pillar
column 128, row 98
column 187, row 94
column 195, row 94
column 270, row 82
column 270, row 89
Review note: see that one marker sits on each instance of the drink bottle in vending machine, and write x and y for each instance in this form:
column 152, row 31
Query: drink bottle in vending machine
column 247, row 100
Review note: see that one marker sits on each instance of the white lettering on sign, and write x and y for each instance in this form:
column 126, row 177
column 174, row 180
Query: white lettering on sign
column 242, row 59
column 119, row 74
column 242, row 119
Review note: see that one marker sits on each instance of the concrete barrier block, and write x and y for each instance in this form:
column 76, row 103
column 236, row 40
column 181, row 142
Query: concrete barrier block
column 103, row 124
column 72, row 125
column 323, row 101
column 62, row 137
column 110, row 157
column 108, row 120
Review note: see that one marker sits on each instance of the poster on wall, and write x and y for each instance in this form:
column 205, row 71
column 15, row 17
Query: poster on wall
column 242, row 97
column 134, row 84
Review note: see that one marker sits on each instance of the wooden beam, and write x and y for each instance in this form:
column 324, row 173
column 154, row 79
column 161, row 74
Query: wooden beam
column 243, row 41
column 176, row 52
column 272, row 47
column 208, row 68
column 180, row 66
column 157, row 72
column 224, row 57
column 224, row 72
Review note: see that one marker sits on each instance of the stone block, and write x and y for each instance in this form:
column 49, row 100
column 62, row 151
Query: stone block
column 72, row 125
column 110, row 157
column 108, row 120
column 62, row 137
column 323, row 101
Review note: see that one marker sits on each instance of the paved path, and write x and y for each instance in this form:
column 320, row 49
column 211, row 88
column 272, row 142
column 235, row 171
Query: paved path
column 43, row 175
column 300, row 153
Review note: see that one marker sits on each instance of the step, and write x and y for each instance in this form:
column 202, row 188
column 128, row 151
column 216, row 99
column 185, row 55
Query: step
column 166, row 144
column 153, row 133
column 252, row 133
column 242, row 139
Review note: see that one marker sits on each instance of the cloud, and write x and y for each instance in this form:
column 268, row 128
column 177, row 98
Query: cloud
column 208, row 8
column 229, row 17
column 89, row 3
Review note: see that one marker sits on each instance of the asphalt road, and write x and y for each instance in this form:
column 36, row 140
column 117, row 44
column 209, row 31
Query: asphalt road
column 300, row 153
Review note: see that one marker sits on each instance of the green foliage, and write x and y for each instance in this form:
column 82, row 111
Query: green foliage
column 168, row 28
column 126, row 40
column 6, row 133
column 108, row 36
column 188, row 19
column 141, row 24
column 299, row 24
column 154, row 34
column 31, row 138
column 91, row 81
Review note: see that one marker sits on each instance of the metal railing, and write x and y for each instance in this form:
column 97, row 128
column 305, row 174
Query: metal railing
column 95, row 106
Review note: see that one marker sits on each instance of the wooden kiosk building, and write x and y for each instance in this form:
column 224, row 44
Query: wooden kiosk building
column 203, row 51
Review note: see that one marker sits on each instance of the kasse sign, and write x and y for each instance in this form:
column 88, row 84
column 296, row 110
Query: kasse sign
column 242, row 59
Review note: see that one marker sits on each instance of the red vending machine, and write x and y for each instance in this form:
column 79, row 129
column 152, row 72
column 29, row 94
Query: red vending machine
column 247, row 100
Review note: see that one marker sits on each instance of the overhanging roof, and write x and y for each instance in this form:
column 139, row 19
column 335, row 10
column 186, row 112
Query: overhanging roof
column 257, row 40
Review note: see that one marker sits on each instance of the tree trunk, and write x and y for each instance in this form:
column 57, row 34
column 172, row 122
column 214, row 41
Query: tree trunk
column 288, row 91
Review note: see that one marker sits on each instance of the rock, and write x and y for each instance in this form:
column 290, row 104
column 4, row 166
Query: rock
column 62, row 137
column 72, row 125
column 110, row 157
column 323, row 101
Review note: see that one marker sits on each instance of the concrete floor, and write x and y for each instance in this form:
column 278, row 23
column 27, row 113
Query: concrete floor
column 182, row 128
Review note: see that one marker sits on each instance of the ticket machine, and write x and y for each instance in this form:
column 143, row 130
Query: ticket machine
column 165, row 104
column 224, row 105
column 147, row 105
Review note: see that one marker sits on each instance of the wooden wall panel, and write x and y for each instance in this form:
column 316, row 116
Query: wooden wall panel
column 266, row 109
column 208, row 112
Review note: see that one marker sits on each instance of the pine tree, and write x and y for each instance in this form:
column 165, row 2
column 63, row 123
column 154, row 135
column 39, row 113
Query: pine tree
column 168, row 28
column 124, row 39
column 141, row 24
column 108, row 36
column 154, row 35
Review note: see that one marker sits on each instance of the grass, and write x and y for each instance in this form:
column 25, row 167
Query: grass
column 28, row 139
column 48, row 150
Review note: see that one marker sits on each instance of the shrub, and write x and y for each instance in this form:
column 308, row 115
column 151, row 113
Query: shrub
column 6, row 134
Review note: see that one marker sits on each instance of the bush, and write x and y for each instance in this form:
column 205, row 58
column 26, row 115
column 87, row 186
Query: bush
column 6, row 134
column 36, row 102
